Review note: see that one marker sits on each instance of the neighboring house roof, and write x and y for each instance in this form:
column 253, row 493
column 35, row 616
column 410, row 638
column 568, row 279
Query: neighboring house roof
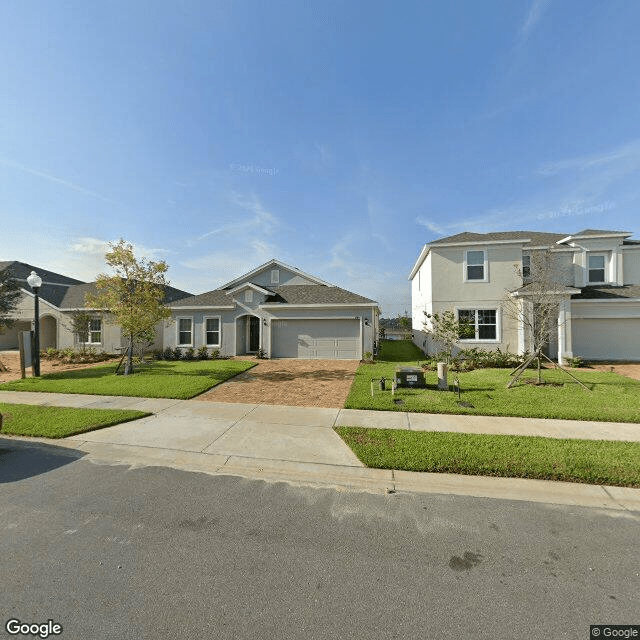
column 608, row 292
column 75, row 296
column 62, row 291
column 536, row 238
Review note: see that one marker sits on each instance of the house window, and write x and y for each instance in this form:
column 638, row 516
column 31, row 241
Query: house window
column 94, row 333
column 482, row 324
column 526, row 267
column 275, row 276
column 596, row 269
column 475, row 267
column 185, row 331
column 248, row 295
column 212, row 332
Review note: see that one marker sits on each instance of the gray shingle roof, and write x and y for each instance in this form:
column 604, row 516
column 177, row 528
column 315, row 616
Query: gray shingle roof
column 596, row 232
column 608, row 292
column 537, row 238
column 286, row 294
column 75, row 296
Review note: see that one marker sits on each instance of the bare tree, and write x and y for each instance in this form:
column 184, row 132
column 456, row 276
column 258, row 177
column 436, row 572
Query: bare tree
column 535, row 305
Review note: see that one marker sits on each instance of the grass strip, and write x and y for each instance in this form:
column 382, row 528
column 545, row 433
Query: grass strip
column 586, row 461
column 60, row 422
column 180, row 379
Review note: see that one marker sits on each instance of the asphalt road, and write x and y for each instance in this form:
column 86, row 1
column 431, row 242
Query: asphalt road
column 113, row 552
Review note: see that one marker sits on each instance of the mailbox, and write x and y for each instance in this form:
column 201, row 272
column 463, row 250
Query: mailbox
column 410, row 377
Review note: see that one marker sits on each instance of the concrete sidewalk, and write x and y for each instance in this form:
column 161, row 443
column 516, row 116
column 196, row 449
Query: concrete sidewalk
column 298, row 444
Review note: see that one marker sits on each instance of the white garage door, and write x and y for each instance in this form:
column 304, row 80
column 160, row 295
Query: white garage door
column 606, row 338
column 316, row 339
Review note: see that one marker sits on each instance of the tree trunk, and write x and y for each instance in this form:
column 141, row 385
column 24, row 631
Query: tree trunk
column 539, row 370
column 128, row 367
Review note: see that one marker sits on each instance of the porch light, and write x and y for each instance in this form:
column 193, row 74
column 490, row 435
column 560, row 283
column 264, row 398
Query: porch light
column 35, row 282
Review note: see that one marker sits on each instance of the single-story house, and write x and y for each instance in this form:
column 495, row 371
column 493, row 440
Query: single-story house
column 60, row 297
column 278, row 311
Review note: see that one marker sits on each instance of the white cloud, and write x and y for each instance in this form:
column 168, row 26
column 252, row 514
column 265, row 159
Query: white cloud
column 533, row 17
column 52, row 178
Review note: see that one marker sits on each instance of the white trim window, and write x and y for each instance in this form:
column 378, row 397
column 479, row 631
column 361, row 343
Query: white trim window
column 94, row 332
column 482, row 322
column 275, row 276
column 596, row 268
column 185, row 332
column 475, row 265
column 526, row 266
column 212, row 331
column 248, row 295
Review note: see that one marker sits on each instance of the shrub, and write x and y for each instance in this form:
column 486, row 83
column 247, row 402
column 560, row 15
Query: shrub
column 215, row 354
column 167, row 354
column 575, row 362
column 189, row 354
column 203, row 353
column 262, row 354
column 177, row 353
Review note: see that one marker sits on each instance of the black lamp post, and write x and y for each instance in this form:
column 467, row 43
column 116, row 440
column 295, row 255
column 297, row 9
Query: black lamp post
column 35, row 282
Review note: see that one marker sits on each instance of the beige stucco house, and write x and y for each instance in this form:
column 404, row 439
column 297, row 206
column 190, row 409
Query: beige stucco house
column 472, row 273
column 60, row 297
column 277, row 310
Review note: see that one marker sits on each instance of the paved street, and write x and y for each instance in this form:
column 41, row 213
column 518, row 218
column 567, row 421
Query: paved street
column 113, row 552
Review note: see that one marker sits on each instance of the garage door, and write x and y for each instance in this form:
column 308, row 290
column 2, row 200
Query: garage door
column 316, row 339
column 606, row 338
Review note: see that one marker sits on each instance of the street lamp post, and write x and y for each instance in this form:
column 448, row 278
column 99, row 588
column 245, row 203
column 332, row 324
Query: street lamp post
column 35, row 282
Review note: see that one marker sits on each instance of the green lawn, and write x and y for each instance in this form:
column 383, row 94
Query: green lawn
column 587, row 461
column 612, row 398
column 59, row 422
column 178, row 379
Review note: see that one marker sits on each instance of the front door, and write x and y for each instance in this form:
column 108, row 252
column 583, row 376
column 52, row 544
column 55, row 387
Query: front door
column 254, row 334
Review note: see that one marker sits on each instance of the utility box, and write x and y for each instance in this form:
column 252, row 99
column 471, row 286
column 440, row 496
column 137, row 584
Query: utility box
column 410, row 377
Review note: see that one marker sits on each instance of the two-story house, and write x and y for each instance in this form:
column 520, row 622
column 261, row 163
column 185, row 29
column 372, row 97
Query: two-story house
column 472, row 274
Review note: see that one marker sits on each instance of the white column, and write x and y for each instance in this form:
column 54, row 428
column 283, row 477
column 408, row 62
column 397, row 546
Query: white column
column 521, row 333
column 565, row 348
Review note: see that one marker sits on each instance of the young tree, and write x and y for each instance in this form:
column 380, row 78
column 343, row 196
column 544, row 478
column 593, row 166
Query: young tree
column 134, row 296
column 445, row 329
column 404, row 322
column 81, row 325
column 536, row 305
column 9, row 297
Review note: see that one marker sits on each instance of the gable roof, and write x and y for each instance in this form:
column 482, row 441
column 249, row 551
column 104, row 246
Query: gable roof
column 268, row 265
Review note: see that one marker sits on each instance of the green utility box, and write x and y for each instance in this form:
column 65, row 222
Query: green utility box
column 410, row 377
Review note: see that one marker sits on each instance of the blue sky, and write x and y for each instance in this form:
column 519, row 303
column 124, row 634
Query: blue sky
column 337, row 136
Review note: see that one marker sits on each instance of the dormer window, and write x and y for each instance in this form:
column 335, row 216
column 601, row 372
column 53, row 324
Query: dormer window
column 596, row 268
column 275, row 276
column 475, row 266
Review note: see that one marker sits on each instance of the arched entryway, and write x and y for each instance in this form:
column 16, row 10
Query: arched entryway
column 247, row 334
column 48, row 333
